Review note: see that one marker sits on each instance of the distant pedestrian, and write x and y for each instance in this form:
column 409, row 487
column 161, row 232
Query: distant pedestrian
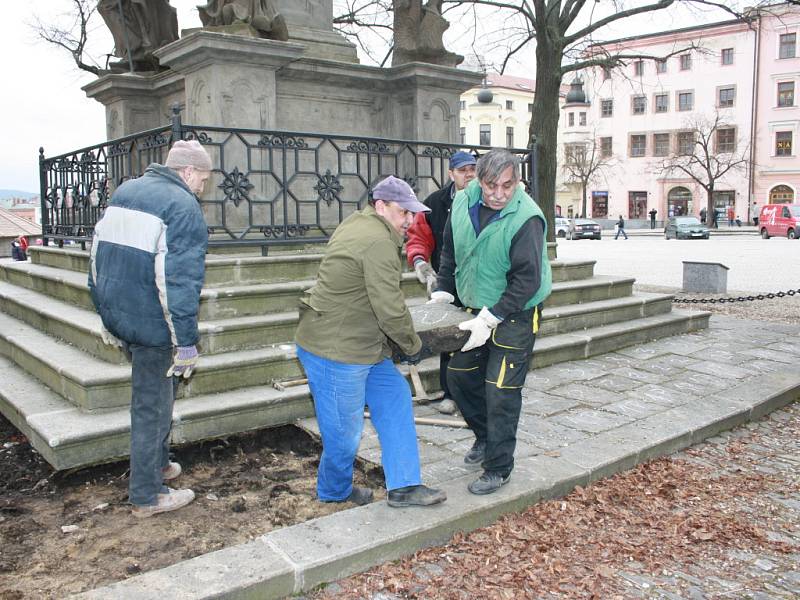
column 703, row 214
column 731, row 216
column 754, row 212
column 715, row 219
column 621, row 228
column 653, row 212
column 23, row 247
column 16, row 253
column 738, row 221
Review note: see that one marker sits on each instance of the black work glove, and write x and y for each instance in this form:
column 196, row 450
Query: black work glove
column 411, row 359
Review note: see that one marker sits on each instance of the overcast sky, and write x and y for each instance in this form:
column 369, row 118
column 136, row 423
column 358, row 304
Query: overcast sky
column 43, row 104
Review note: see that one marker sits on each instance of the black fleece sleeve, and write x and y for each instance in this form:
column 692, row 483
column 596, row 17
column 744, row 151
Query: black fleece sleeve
column 446, row 281
column 524, row 276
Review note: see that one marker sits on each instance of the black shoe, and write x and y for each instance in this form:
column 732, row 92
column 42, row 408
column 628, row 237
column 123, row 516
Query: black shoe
column 360, row 496
column 488, row 483
column 415, row 495
column 476, row 453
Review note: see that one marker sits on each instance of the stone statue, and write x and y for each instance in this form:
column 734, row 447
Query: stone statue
column 140, row 28
column 261, row 15
column 418, row 34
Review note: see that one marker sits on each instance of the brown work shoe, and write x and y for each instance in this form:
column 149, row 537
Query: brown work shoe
column 173, row 500
column 171, row 471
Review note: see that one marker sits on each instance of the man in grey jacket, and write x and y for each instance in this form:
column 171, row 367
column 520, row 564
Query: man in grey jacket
column 147, row 270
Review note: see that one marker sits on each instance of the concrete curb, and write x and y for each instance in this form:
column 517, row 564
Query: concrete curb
column 301, row 557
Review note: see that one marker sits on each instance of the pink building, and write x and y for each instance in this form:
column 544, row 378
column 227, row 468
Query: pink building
column 742, row 74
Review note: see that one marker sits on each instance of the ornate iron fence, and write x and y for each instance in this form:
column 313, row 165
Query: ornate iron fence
column 267, row 187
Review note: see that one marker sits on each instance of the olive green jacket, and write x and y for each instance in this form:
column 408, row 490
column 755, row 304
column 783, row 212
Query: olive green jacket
column 357, row 303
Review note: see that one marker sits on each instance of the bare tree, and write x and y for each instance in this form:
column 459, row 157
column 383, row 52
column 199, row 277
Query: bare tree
column 73, row 37
column 584, row 162
column 707, row 150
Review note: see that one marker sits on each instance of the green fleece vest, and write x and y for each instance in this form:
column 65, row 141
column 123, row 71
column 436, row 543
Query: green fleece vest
column 482, row 261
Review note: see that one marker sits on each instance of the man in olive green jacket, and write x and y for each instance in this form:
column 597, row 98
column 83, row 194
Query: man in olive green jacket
column 345, row 322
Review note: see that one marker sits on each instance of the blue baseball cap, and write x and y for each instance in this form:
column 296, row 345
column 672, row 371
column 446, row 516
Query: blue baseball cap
column 461, row 159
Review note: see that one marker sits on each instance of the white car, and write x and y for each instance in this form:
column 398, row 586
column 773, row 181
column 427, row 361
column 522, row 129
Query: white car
column 562, row 226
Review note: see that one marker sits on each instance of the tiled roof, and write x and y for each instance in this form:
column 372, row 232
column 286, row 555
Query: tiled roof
column 510, row 82
column 12, row 225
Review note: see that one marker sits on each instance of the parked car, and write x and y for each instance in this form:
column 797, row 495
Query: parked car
column 686, row 228
column 583, row 228
column 780, row 219
column 562, row 227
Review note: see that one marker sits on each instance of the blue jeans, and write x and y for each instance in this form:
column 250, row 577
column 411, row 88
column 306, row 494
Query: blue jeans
column 341, row 391
column 151, row 420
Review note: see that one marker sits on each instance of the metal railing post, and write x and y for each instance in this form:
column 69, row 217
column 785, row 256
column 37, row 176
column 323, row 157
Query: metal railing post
column 177, row 124
column 43, row 195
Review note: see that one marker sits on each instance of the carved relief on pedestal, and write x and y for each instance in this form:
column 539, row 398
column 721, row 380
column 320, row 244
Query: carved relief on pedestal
column 438, row 118
column 242, row 106
column 199, row 102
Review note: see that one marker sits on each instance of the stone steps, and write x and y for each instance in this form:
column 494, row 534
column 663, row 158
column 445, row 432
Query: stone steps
column 235, row 271
column 80, row 327
column 70, row 437
column 259, row 299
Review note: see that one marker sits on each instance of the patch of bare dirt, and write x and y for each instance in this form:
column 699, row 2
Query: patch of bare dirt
column 246, row 485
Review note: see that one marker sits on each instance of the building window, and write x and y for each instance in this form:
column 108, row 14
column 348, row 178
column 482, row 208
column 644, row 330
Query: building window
column 582, row 119
column 638, row 68
column 530, row 107
column 638, row 144
column 661, row 103
column 783, row 143
column 726, row 96
column 606, row 108
column 485, row 135
column 463, row 104
column 638, row 104
column 726, row 139
column 686, row 62
column 686, row 143
column 727, row 56
column 781, row 194
column 463, row 135
column 575, row 153
column 685, row 100
column 788, row 45
column 660, row 144
column 509, row 137
column 571, row 119
column 599, row 205
column 637, row 205
column 786, row 93
column 606, row 73
column 661, row 65
column 605, row 147
column 509, row 105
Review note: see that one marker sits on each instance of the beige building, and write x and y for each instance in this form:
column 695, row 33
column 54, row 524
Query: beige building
column 498, row 113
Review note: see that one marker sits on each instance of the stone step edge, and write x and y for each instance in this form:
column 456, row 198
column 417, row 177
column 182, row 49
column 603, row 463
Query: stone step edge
column 301, row 557
column 87, row 322
column 20, row 408
column 94, row 371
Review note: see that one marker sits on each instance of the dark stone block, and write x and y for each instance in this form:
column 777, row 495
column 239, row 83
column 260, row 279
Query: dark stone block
column 437, row 327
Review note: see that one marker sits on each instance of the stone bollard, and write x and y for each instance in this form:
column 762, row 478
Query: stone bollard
column 705, row 277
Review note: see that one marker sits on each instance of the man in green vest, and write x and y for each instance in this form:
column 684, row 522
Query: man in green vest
column 495, row 260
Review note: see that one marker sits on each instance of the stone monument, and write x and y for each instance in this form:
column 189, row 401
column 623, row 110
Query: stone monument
column 418, row 31
column 139, row 27
column 227, row 16
column 310, row 83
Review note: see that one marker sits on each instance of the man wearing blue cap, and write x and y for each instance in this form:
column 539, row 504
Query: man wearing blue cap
column 345, row 322
column 424, row 245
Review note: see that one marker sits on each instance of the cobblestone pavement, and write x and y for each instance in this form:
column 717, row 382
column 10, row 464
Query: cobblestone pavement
column 568, row 403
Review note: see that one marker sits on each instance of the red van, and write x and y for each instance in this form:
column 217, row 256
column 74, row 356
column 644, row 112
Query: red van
column 780, row 219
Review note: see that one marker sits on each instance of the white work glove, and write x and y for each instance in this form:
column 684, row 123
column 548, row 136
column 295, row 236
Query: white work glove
column 184, row 362
column 441, row 298
column 109, row 338
column 425, row 274
column 480, row 329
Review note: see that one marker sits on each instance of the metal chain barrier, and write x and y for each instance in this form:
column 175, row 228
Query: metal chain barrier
column 767, row 296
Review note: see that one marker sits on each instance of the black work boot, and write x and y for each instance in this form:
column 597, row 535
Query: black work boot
column 415, row 495
column 360, row 495
column 476, row 453
column 488, row 483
